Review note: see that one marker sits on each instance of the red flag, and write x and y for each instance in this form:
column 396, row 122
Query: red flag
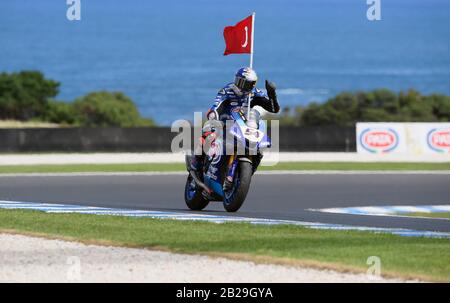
column 238, row 38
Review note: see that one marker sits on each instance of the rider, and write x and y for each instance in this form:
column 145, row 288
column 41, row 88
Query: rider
column 236, row 94
column 233, row 95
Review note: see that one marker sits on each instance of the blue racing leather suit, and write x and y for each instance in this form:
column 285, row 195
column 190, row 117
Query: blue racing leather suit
column 230, row 96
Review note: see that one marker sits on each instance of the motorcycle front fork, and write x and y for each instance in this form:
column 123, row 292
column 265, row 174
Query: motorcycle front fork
column 232, row 164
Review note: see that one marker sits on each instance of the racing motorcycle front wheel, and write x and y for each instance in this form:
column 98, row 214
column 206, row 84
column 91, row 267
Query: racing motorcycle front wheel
column 235, row 196
column 193, row 196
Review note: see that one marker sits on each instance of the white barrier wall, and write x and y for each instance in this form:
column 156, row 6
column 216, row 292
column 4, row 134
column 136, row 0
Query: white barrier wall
column 403, row 138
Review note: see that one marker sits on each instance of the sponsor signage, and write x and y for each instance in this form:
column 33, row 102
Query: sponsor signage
column 403, row 138
column 439, row 140
column 379, row 140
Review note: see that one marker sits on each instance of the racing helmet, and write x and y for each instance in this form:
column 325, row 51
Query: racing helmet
column 245, row 79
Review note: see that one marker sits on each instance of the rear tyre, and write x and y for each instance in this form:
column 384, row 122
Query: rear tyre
column 235, row 197
column 193, row 196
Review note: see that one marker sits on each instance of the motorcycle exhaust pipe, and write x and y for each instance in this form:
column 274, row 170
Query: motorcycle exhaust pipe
column 198, row 182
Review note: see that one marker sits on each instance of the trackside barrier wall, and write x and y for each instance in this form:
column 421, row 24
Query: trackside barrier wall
column 157, row 139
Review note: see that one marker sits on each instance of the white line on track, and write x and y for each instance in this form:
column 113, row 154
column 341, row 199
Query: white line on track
column 264, row 172
column 389, row 211
column 354, row 172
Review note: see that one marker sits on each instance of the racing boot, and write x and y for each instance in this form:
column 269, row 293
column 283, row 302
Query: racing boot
column 228, row 182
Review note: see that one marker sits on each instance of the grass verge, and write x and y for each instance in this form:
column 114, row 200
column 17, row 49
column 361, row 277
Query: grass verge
column 170, row 167
column 423, row 258
column 444, row 215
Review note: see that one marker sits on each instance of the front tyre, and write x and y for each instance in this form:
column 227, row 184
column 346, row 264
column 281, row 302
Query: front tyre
column 193, row 196
column 234, row 197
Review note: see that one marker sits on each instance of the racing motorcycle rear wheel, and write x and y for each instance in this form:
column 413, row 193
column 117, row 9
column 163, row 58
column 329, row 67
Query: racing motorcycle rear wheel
column 193, row 195
column 234, row 198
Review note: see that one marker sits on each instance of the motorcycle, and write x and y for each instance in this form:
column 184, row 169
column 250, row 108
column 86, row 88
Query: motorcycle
column 226, row 176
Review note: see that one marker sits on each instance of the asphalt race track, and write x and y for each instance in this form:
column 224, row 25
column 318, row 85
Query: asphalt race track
column 286, row 197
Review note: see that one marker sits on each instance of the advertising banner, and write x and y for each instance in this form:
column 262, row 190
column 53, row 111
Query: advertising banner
column 403, row 138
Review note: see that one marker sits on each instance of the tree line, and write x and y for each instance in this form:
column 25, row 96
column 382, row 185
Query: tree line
column 29, row 96
column 381, row 105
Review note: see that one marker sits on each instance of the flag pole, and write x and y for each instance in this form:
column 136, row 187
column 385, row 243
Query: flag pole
column 253, row 35
column 251, row 59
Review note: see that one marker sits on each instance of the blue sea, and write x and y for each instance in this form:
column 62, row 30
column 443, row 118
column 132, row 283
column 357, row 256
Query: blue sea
column 168, row 55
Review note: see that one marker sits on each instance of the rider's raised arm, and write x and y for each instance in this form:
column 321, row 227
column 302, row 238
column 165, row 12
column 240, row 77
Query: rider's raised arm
column 267, row 101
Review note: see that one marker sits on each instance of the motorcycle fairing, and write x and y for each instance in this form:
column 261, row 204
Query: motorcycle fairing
column 213, row 177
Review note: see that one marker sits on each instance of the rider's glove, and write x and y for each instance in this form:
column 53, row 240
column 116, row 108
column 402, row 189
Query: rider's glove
column 212, row 115
column 270, row 87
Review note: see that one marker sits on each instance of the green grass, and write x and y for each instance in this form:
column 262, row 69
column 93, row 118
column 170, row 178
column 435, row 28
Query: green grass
column 445, row 215
column 78, row 168
column 181, row 167
column 424, row 258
